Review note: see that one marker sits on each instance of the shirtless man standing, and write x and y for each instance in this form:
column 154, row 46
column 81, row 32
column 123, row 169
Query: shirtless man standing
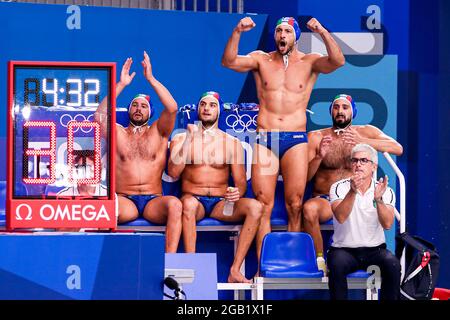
column 329, row 152
column 204, row 157
column 284, row 81
column 141, row 156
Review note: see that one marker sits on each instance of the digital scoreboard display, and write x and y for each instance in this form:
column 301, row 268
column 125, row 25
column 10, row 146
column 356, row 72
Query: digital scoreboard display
column 61, row 117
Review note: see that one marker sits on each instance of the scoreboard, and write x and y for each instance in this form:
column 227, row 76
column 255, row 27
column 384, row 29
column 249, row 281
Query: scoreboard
column 61, row 142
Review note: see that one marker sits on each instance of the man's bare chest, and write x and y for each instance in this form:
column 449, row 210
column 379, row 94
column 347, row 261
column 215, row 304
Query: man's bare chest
column 338, row 155
column 297, row 77
column 143, row 148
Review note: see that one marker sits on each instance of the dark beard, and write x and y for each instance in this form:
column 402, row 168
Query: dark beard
column 341, row 125
column 208, row 123
column 138, row 123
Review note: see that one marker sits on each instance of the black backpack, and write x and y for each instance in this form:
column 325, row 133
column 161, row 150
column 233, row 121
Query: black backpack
column 421, row 269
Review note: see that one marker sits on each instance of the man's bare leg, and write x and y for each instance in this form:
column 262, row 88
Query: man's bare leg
column 168, row 210
column 265, row 168
column 294, row 169
column 127, row 210
column 250, row 211
column 192, row 212
column 316, row 211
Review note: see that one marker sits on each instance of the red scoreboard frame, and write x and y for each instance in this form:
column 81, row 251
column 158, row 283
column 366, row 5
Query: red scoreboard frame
column 61, row 212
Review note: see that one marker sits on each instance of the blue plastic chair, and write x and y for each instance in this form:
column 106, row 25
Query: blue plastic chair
column 289, row 255
column 288, row 261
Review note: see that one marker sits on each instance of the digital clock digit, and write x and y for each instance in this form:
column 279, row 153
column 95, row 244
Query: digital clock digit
column 50, row 92
column 51, row 151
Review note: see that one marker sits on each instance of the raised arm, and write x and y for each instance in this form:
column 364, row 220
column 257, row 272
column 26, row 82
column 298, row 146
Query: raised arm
column 335, row 58
column 166, row 121
column 179, row 151
column 374, row 137
column 101, row 113
column 230, row 58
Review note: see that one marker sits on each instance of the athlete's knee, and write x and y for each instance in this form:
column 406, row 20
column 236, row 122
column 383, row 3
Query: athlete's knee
column 266, row 201
column 294, row 205
column 189, row 207
column 294, row 198
column 174, row 207
column 311, row 212
column 255, row 210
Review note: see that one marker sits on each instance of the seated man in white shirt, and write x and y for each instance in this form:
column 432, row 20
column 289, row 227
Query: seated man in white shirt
column 83, row 164
column 362, row 209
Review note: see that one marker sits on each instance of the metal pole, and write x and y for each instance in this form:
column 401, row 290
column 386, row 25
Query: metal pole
column 401, row 179
column 240, row 6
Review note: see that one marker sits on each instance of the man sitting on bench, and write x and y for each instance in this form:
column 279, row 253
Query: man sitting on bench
column 329, row 161
column 363, row 208
column 204, row 157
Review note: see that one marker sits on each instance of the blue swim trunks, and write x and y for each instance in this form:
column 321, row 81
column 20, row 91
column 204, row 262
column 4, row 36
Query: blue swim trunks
column 323, row 196
column 208, row 203
column 280, row 142
column 141, row 200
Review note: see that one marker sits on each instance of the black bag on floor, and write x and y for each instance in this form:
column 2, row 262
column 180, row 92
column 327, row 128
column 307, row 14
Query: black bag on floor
column 421, row 269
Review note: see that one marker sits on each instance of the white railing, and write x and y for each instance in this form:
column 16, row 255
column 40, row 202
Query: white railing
column 401, row 217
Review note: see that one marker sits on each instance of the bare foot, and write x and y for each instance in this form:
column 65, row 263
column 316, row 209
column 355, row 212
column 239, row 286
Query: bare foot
column 237, row 277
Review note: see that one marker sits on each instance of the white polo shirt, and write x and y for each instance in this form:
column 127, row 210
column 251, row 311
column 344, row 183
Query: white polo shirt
column 362, row 227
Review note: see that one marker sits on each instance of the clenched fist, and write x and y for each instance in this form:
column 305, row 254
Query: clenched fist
column 246, row 24
column 315, row 26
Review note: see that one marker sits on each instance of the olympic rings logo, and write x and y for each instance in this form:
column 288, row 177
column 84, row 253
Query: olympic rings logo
column 66, row 118
column 240, row 123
